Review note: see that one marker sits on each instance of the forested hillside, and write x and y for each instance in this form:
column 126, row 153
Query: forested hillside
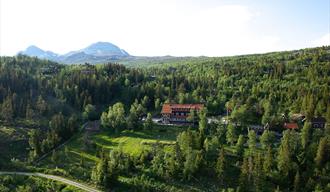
column 46, row 103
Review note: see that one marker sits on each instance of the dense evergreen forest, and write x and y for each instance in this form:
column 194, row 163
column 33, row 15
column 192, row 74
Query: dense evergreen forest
column 52, row 101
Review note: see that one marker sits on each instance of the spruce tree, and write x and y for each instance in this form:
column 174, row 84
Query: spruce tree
column 221, row 165
column 296, row 183
column 148, row 124
column 240, row 146
column 284, row 160
column 258, row 173
column 322, row 154
column 231, row 135
column 34, row 142
column 267, row 139
column 132, row 121
column 306, row 135
column 7, row 109
column 244, row 176
column 268, row 161
column 252, row 142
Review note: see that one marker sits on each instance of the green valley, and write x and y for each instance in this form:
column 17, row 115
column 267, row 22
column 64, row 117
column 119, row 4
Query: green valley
column 241, row 123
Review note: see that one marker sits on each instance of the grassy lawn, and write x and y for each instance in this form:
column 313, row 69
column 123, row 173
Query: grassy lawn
column 133, row 142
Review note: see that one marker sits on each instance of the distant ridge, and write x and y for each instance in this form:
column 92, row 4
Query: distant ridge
column 35, row 51
column 94, row 53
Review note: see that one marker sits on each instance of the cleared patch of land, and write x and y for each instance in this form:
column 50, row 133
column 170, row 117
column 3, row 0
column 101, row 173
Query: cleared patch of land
column 133, row 142
column 78, row 157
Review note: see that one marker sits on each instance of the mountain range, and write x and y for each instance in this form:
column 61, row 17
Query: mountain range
column 99, row 52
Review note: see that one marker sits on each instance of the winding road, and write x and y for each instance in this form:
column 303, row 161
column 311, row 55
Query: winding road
column 53, row 177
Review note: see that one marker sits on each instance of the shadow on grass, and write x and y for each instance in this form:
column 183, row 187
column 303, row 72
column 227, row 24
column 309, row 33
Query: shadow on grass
column 157, row 133
column 101, row 140
column 84, row 155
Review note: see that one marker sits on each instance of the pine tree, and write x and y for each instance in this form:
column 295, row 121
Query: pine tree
column 145, row 102
column 73, row 124
column 306, row 135
column 179, row 156
column 221, row 165
column 268, row 161
column 296, row 183
column 34, row 142
column 157, row 162
column 231, row 134
column 157, row 105
column 132, row 121
column 267, row 139
column 258, row 173
column 243, row 178
column 58, row 125
column 171, row 166
column 240, row 146
column 252, row 142
column 322, row 155
column 41, row 105
column 100, row 172
column 202, row 121
column 7, row 109
column 192, row 163
column 284, row 161
column 148, row 124
column 266, row 118
column 327, row 125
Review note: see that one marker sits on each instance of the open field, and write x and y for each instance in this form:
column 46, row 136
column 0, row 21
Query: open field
column 133, row 142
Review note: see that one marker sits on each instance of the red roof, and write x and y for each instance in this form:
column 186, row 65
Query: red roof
column 291, row 125
column 168, row 108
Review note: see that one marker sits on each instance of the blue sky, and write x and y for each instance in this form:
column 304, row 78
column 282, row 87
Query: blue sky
column 165, row 27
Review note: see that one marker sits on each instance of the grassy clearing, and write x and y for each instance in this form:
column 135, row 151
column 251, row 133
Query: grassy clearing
column 78, row 160
column 134, row 142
